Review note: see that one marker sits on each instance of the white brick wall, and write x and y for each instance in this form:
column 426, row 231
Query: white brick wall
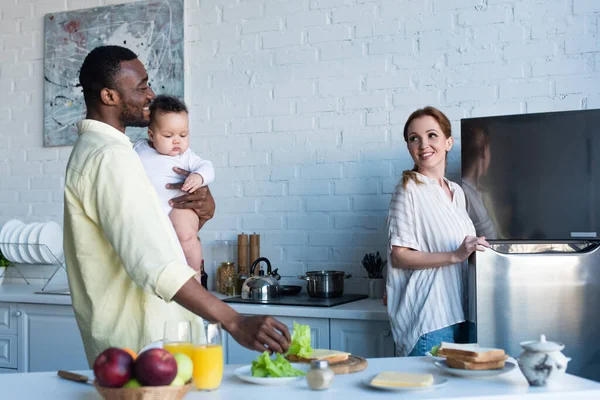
column 301, row 104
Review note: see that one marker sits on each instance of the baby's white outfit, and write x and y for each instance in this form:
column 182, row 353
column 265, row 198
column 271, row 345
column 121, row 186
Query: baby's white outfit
column 159, row 168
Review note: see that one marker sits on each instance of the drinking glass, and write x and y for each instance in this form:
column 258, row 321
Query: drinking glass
column 207, row 356
column 178, row 337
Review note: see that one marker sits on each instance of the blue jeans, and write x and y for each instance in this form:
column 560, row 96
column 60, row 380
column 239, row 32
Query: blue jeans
column 453, row 334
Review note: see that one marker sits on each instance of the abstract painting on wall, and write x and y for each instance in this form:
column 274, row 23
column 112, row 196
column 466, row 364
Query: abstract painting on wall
column 151, row 29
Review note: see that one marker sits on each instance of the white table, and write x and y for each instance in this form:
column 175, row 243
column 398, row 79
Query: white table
column 512, row 386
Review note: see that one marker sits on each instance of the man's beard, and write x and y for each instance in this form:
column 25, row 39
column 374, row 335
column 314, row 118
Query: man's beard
column 129, row 117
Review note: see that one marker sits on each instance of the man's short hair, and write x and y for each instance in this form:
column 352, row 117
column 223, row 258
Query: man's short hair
column 100, row 68
column 163, row 104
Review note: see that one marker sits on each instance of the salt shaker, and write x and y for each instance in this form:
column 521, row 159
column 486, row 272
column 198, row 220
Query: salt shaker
column 319, row 376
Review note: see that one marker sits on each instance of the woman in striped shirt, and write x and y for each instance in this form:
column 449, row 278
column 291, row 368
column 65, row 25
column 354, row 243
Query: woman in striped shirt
column 430, row 238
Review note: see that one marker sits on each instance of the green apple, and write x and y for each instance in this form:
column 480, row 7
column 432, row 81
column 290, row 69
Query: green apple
column 178, row 382
column 132, row 383
column 185, row 367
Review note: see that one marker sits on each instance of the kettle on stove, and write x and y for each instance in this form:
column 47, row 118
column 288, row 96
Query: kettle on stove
column 262, row 287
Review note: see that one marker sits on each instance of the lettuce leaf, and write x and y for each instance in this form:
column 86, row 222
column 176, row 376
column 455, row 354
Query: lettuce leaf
column 264, row 367
column 300, row 345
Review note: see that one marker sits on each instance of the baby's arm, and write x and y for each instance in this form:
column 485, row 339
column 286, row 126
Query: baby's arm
column 193, row 182
column 202, row 167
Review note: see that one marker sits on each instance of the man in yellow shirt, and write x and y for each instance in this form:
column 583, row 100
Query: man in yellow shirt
column 126, row 270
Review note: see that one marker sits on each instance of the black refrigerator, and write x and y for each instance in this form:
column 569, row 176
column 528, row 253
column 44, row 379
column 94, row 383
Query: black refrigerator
column 532, row 183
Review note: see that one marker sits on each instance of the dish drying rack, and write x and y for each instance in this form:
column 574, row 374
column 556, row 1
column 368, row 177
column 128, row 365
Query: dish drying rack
column 56, row 262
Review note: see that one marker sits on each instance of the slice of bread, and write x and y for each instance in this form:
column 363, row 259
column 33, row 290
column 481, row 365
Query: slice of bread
column 457, row 346
column 332, row 356
column 478, row 359
column 482, row 354
column 459, row 364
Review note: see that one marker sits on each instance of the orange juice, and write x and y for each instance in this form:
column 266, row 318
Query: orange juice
column 179, row 347
column 208, row 366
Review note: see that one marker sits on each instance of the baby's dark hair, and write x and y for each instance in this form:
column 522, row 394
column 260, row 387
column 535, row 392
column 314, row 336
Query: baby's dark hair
column 163, row 104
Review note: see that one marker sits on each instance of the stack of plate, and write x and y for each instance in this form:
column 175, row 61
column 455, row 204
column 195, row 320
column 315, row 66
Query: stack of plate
column 36, row 243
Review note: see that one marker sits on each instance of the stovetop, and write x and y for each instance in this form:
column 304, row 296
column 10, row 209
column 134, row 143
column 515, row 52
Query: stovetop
column 302, row 299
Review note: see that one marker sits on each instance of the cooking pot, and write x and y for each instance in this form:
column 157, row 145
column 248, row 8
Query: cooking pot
column 325, row 284
column 261, row 287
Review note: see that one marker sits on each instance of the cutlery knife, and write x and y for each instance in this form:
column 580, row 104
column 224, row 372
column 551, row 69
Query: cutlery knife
column 71, row 376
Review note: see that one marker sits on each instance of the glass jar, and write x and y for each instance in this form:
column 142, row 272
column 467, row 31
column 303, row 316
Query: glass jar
column 230, row 287
column 225, row 273
column 223, row 251
column 319, row 376
column 240, row 283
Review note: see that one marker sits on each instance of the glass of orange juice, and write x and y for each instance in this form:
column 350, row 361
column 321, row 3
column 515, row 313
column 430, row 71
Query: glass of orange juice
column 178, row 337
column 207, row 356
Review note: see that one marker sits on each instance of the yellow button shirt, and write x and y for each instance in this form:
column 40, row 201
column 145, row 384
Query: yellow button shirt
column 124, row 263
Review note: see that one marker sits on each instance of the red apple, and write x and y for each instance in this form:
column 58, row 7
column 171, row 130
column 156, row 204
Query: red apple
column 155, row 367
column 113, row 367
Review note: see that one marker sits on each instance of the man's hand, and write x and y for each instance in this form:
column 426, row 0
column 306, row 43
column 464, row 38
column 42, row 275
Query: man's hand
column 261, row 333
column 201, row 201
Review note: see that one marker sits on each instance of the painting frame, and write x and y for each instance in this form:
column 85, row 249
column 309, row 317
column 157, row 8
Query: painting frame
column 153, row 29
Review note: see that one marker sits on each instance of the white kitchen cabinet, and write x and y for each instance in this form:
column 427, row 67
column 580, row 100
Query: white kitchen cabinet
column 8, row 319
column 8, row 337
column 319, row 336
column 49, row 339
column 8, row 351
column 362, row 338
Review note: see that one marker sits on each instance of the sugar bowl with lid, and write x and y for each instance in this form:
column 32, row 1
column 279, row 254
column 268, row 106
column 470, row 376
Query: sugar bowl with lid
column 542, row 361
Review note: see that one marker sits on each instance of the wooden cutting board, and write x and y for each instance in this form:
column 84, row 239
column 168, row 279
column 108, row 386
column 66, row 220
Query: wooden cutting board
column 349, row 366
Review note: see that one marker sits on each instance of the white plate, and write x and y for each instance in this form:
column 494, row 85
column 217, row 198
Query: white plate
column 7, row 230
column 52, row 236
column 438, row 381
column 32, row 240
column 245, row 374
column 154, row 345
column 13, row 250
column 25, row 251
column 467, row 373
column 437, row 358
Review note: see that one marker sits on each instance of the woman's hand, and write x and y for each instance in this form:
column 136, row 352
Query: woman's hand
column 469, row 245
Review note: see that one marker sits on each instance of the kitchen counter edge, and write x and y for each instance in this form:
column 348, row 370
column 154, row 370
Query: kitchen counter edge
column 366, row 309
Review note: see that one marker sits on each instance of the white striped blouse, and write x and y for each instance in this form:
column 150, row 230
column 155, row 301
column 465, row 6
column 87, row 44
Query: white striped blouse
column 423, row 218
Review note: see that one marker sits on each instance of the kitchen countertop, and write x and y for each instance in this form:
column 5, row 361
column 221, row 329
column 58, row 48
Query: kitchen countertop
column 23, row 293
column 367, row 309
column 510, row 386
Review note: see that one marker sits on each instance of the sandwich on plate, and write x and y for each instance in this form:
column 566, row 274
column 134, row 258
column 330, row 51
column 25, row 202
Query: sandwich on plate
column 471, row 356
